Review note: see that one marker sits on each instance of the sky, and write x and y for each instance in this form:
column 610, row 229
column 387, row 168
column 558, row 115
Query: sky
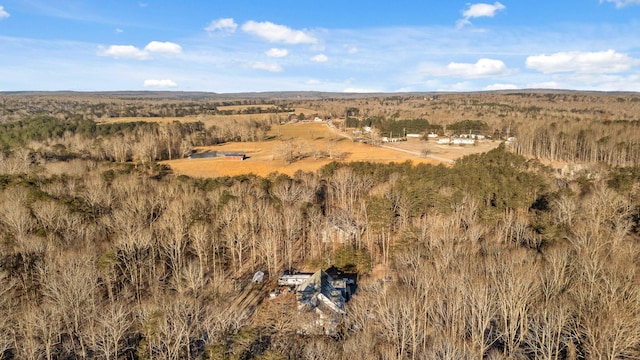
column 337, row 46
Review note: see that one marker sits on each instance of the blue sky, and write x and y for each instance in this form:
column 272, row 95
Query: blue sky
column 357, row 46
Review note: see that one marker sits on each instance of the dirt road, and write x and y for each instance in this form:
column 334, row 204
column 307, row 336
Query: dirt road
column 434, row 157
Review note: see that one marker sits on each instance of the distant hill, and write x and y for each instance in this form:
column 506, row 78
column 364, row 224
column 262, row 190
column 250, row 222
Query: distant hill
column 300, row 95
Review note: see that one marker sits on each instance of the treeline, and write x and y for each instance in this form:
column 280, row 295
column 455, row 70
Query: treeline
column 13, row 108
column 615, row 143
column 42, row 128
column 390, row 126
column 469, row 127
column 142, row 142
column 493, row 255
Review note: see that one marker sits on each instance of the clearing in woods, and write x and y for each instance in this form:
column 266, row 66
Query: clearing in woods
column 316, row 144
column 210, row 120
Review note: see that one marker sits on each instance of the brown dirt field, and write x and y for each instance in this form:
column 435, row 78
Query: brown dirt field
column 263, row 158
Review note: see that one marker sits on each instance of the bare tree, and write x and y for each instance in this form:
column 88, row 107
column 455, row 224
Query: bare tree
column 133, row 256
column 200, row 236
column 71, row 286
column 26, row 343
column 516, row 289
column 112, row 325
column 46, row 323
column 14, row 213
column 549, row 330
column 480, row 313
column 7, row 287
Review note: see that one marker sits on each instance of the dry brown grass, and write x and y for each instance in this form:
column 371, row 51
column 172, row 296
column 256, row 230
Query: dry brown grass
column 210, row 120
column 263, row 157
column 445, row 151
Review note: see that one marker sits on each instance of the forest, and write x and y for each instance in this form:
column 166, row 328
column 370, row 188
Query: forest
column 528, row 251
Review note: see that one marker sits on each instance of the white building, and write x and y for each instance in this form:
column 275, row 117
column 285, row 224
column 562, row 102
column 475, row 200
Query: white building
column 463, row 141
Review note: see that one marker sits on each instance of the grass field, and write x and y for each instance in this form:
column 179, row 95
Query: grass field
column 264, row 156
column 317, row 144
column 210, row 120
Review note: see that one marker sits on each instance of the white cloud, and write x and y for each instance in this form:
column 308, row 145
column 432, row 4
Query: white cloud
column 267, row 67
column 163, row 47
column 621, row 3
column 582, row 62
column 482, row 68
column 118, row 30
column 277, row 53
column 320, row 58
column 479, row 10
column 313, row 82
column 482, row 10
column 225, row 24
column 278, row 33
column 132, row 52
column 159, row 83
column 353, row 50
column 501, row 87
column 123, row 52
column 3, row 13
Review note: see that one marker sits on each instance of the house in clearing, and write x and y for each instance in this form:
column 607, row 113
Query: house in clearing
column 322, row 294
column 314, row 289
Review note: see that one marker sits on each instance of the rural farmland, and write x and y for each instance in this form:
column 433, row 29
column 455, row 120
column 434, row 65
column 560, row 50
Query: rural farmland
column 318, row 145
column 481, row 225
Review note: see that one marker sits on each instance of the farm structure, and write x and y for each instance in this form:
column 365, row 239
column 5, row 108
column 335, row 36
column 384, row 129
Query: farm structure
column 235, row 156
column 456, row 141
column 216, row 154
column 472, row 136
column 463, row 141
column 393, row 139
